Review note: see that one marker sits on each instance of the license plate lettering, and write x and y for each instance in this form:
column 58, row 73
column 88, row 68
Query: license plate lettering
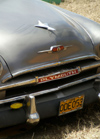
column 69, row 105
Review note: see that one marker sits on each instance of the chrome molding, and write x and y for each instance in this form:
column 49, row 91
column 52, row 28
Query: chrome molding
column 6, row 78
column 55, row 64
column 50, row 90
column 17, row 84
column 90, row 66
column 35, row 80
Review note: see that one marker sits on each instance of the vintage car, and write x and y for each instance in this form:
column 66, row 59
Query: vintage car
column 49, row 61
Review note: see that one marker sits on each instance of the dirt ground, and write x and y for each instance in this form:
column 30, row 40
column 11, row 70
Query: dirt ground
column 83, row 124
column 87, row 8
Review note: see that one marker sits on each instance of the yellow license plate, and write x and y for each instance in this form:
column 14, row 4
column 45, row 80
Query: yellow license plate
column 70, row 105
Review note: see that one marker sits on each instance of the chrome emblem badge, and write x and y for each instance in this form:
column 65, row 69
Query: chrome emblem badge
column 56, row 76
column 55, row 48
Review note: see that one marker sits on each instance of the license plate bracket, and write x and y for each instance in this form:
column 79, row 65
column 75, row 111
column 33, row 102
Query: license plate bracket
column 70, row 105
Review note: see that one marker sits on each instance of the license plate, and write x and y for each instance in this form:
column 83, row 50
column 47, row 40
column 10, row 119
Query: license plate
column 70, row 105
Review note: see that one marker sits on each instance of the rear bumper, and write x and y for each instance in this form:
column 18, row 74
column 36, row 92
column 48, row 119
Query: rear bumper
column 44, row 106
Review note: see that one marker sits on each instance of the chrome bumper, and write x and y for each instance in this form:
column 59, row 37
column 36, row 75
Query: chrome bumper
column 32, row 114
column 97, row 76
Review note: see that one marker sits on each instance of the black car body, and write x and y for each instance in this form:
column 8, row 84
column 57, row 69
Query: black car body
column 49, row 61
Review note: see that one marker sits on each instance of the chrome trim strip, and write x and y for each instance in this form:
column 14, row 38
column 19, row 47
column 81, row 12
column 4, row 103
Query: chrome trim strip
column 56, row 64
column 11, row 85
column 50, row 90
column 35, row 80
column 79, row 81
column 12, row 99
column 6, row 78
column 91, row 66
